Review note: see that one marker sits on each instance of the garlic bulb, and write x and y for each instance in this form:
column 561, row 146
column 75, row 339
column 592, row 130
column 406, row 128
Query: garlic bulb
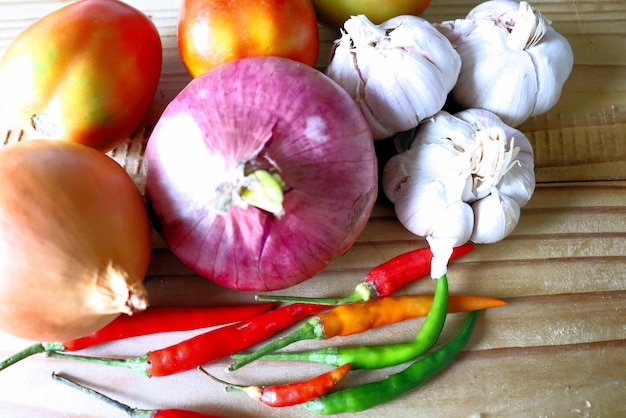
column 464, row 177
column 398, row 72
column 514, row 63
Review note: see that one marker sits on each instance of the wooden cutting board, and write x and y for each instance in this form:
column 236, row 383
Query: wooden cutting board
column 558, row 349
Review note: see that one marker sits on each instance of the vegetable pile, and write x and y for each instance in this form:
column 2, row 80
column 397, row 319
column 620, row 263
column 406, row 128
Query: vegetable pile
column 261, row 172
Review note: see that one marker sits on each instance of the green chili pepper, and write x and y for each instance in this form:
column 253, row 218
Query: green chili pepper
column 344, row 320
column 369, row 395
column 379, row 356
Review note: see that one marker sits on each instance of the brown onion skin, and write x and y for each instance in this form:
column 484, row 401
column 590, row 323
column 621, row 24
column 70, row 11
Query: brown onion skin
column 273, row 112
column 67, row 213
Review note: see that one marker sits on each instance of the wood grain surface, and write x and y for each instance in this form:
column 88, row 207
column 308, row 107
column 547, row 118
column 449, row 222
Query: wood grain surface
column 557, row 349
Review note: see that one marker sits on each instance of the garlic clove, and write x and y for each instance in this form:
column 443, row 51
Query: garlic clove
column 387, row 107
column 394, row 177
column 343, row 59
column 530, row 26
column 422, row 39
column 419, row 204
column 495, row 217
column 442, row 137
column 554, row 60
column 446, row 129
column 424, row 205
column 519, row 182
column 363, row 32
column 494, row 77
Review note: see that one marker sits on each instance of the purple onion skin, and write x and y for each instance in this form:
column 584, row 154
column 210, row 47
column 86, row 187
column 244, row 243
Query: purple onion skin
column 273, row 111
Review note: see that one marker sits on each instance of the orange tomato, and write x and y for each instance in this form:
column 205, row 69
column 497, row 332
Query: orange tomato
column 334, row 13
column 213, row 32
column 86, row 73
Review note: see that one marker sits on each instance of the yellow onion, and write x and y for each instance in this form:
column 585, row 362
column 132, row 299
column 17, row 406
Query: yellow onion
column 74, row 241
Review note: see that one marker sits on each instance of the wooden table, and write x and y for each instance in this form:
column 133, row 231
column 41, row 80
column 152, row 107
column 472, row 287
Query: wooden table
column 558, row 349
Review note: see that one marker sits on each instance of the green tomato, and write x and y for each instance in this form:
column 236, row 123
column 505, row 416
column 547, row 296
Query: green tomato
column 334, row 13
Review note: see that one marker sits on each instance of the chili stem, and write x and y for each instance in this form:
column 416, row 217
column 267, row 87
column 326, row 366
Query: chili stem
column 132, row 412
column 31, row 350
column 310, row 330
column 368, row 395
column 362, row 292
column 139, row 364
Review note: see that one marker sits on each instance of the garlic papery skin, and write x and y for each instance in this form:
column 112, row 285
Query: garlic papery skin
column 514, row 63
column 464, row 178
column 399, row 72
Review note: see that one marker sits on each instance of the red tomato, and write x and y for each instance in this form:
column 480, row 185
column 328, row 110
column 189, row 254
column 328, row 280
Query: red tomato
column 87, row 72
column 212, row 32
column 334, row 13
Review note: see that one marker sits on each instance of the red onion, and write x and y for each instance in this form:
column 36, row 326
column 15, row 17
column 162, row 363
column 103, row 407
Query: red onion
column 277, row 125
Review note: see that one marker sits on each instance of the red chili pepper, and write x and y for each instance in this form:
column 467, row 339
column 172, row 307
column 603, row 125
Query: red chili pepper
column 401, row 270
column 132, row 412
column 167, row 319
column 383, row 279
column 209, row 346
column 151, row 321
column 290, row 394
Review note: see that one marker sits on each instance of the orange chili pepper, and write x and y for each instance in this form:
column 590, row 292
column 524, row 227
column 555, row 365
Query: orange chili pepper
column 355, row 318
